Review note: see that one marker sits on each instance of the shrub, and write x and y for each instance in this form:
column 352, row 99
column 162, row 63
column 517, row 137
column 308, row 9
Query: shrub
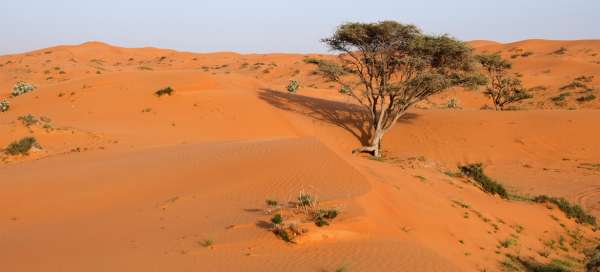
column 305, row 200
column 573, row 211
column 593, row 263
column 560, row 51
column 166, row 91
column 560, row 98
column 345, row 90
column 293, row 86
column 573, row 85
column 4, row 105
column 277, row 219
column 452, row 103
column 586, row 98
column 475, row 171
column 22, row 88
column 272, row 202
column 28, row 120
column 312, row 60
column 322, row 217
column 21, row 147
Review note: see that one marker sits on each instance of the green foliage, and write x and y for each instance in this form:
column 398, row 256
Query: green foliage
column 345, row 90
column 322, row 217
column 502, row 88
column 22, row 88
column 277, row 219
column 305, row 200
column 389, row 67
column 293, row 86
column 573, row 211
column 165, row 91
column 21, row 147
column 475, row 171
column 4, row 105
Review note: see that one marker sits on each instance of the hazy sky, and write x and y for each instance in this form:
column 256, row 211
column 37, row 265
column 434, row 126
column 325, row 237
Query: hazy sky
column 279, row 25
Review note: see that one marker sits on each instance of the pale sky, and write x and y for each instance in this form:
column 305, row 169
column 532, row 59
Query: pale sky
column 279, row 25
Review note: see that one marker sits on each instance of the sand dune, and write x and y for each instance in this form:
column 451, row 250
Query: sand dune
column 128, row 181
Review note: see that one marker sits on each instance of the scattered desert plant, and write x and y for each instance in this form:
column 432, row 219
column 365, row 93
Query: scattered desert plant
column 593, row 262
column 22, row 88
column 21, row 147
column 293, row 86
column 165, row 91
column 561, row 51
column 573, row 85
column 4, row 105
column 526, row 54
column 206, row 243
column 452, row 103
column 475, row 171
column 503, row 89
column 322, row 217
column 389, row 67
column 560, row 99
column 345, row 90
column 573, row 211
column 585, row 79
column 272, row 202
column 28, row 120
column 586, row 98
column 312, row 60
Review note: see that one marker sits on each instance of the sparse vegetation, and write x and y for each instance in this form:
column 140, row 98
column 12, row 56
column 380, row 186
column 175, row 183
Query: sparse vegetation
column 206, row 243
column 312, row 60
column 503, row 89
column 28, row 120
column 293, row 86
column 165, row 91
column 573, row 211
column 4, row 105
column 475, row 171
column 22, row 88
column 560, row 51
column 21, row 147
column 586, row 98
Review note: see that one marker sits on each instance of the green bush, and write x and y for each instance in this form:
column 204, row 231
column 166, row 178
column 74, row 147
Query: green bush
column 345, row 90
column 475, row 171
column 293, row 86
column 322, row 217
column 22, row 88
column 166, row 91
column 4, row 105
column 571, row 210
column 21, row 147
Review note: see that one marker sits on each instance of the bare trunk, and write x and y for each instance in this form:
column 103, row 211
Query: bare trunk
column 374, row 146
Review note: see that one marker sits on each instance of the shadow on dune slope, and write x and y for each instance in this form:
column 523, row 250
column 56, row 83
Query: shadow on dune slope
column 347, row 116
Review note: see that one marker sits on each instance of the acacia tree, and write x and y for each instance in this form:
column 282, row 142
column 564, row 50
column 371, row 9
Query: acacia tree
column 387, row 67
column 502, row 89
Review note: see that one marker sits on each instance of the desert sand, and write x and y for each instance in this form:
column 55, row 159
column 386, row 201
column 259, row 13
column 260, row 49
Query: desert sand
column 128, row 181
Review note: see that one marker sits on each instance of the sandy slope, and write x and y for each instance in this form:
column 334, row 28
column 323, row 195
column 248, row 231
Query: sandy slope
column 127, row 181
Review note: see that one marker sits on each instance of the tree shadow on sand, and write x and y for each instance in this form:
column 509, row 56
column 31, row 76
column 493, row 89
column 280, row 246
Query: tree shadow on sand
column 349, row 117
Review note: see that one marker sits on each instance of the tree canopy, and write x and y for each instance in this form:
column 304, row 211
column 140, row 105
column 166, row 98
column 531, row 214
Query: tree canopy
column 387, row 67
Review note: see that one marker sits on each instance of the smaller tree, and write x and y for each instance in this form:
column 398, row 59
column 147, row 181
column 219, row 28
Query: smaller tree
column 502, row 88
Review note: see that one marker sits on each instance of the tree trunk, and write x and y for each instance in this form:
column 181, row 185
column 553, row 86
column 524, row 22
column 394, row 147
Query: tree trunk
column 374, row 146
